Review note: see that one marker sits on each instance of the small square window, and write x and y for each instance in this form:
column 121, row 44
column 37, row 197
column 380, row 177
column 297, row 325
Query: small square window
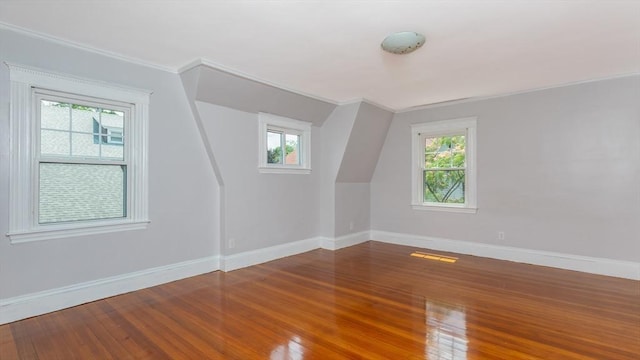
column 284, row 145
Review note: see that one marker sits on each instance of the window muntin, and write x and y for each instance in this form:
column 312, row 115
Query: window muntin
column 284, row 145
column 443, row 175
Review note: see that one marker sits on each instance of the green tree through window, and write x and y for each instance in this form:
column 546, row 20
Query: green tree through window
column 274, row 156
column 444, row 171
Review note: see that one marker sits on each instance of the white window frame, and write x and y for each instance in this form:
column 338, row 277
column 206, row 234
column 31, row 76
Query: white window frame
column 419, row 132
column 267, row 122
column 23, row 165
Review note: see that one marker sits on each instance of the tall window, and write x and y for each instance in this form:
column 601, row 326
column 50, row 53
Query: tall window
column 284, row 145
column 78, row 163
column 82, row 164
column 444, row 165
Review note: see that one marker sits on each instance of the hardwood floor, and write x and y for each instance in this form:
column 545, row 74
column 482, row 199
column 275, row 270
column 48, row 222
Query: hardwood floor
column 369, row 301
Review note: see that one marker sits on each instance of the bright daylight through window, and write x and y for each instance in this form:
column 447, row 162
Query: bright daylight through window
column 284, row 145
column 444, row 165
column 78, row 160
column 82, row 165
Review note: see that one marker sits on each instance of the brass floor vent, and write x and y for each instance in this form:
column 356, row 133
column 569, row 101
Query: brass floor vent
column 434, row 257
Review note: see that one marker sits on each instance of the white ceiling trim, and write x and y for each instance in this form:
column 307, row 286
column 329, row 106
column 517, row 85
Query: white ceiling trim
column 488, row 97
column 85, row 47
column 370, row 102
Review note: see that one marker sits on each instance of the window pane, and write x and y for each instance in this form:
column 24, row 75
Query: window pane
column 74, row 192
column 54, row 142
column 112, row 119
column 54, row 115
column 274, row 147
column 115, row 151
column 458, row 145
column 445, row 152
column 444, row 186
column 293, row 149
column 84, row 119
column 83, row 145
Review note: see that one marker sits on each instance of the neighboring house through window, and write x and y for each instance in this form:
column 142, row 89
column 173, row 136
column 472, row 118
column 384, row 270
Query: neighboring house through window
column 105, row 131
column 78, row 162
column 284, row 145
column 444, row 165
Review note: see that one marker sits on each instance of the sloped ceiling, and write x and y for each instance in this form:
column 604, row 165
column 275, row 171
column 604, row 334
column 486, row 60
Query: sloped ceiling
column 330, row 49
column 236, row 92
column 365, row 143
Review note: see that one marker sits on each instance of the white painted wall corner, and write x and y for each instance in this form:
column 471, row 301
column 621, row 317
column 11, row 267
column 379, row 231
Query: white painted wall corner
column 254, row 257
column 344, row 241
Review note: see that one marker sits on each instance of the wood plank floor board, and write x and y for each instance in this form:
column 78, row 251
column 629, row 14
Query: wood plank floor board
column 8, row 346
column 369, row 301
column 135, row 342
column 349, row 338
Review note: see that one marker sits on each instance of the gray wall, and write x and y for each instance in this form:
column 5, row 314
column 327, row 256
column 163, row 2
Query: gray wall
column 335, row 137
column 558, row 170
column 352, row 208
column 260, row 210
column 359, row 159
column 182, row 190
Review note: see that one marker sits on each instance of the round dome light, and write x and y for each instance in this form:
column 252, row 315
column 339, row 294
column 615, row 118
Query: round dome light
column 402, row 42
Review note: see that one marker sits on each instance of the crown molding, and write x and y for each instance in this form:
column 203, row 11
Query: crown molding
column 85, row 47
column 370, row 102
column 513, row 93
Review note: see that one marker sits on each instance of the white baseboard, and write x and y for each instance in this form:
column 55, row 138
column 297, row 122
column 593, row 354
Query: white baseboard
column 22, row 307
column 344, row 241
column 25, row 306
column 600, row 266
column 255, row 257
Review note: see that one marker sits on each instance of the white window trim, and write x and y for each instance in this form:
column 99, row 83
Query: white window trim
column 23, row 224
column 267, row 121
column 441, row 128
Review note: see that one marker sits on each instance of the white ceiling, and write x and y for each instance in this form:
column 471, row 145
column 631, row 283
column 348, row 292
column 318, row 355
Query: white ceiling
column 331, row 49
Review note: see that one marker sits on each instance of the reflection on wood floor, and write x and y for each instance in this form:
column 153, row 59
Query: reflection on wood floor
column 369, row 301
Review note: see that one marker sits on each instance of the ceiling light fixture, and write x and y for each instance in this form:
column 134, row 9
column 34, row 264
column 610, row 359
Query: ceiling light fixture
column 402, row 42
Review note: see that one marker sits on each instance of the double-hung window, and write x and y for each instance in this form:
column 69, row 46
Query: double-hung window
column 78, row 161
column 444, row 165
column 284, row 145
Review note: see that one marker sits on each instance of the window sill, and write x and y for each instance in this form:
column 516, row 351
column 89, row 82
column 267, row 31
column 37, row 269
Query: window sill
column 444, row 208
column 283, row 170
column 70, row 230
